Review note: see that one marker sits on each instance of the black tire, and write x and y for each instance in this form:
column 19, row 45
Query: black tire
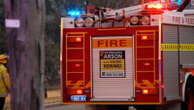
column 148, row 107
column 118, row 107
column 189, row 95
column 107, row 107
column 96, row 107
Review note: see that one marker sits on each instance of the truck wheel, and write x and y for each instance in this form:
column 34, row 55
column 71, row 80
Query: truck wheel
column 96, row 107
column 149, row 107
column 190, row 99
column 189, row 95
column 118, row 107
column 106, row 107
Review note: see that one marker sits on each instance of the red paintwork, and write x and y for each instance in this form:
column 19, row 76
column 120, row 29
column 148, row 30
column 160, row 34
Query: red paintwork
column 162, row 70
column 147, row 53
column 141, row 53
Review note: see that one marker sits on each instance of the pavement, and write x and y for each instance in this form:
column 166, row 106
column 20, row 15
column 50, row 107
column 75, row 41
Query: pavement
column 58, row 106
column 53, row 99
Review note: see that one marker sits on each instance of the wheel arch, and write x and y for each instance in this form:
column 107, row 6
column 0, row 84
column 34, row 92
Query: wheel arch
column 188, row 76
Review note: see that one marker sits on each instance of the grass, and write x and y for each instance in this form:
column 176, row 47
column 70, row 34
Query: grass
column 53, row 96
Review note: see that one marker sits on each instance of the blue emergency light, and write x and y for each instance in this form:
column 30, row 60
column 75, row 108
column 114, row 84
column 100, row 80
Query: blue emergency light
column 179, row 2
column 74, row 13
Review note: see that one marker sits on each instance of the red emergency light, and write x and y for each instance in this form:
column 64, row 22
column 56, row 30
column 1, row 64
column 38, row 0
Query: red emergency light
column 78, row 39
column 79, row 91
column 144, row 37
column 77, row 65
column 154, row 6
column 154, row 9
column 145, row 91
column 147, row 64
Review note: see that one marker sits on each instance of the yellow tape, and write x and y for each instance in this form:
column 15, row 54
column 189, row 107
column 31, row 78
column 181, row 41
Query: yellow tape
column 177, row 47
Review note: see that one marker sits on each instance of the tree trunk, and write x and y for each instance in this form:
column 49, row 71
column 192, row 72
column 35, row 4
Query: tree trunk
column 26, row 53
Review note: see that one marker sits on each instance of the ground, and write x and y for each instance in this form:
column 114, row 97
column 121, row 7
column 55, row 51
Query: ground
column 54, row 96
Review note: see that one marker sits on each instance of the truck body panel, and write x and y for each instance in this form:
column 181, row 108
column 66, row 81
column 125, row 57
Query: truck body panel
column 122, row 79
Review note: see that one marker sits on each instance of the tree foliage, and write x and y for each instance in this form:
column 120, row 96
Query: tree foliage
column 115, row 4
column 3, row 39
column 52, row 42
column 52, row 77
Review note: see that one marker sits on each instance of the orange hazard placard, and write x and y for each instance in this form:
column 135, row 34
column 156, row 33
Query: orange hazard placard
column 113, row 43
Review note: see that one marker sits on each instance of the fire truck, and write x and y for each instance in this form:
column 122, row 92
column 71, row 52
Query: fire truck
column 139, row 55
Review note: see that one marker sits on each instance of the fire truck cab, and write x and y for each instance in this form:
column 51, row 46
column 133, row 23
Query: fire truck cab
column 139, row 58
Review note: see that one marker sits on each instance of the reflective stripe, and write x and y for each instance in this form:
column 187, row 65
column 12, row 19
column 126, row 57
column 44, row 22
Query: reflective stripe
column 3, row 95
column 177, row 47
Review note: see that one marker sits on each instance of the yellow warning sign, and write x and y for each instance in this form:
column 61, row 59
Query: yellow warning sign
column 112, row 64
column 177, row 47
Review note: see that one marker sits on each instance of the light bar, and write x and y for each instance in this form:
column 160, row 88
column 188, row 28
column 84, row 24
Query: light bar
column 154, row 6
column 178, row 2
column 74, row 13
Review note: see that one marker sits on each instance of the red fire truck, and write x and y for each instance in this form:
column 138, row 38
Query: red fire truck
column 130, row 56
